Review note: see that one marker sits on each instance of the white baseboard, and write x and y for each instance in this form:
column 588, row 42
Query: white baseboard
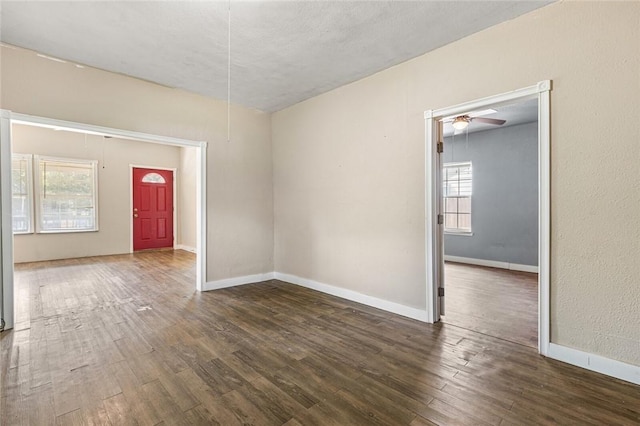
column 185, row 248
column 492, row 264
column 232, row 282
column 597, row 363
column 385, row 305
column 354, row 296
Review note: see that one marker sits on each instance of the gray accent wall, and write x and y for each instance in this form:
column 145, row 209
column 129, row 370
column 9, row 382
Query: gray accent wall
column 504, row 204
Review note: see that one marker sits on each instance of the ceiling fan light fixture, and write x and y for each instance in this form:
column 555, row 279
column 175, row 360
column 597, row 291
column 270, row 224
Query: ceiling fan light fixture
column 460, row 122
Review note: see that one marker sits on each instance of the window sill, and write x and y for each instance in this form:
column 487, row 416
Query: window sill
column 461, row 234
column 66, row 231
column 23, row 233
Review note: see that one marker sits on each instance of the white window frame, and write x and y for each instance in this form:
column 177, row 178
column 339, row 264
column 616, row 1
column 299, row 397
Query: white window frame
column 38, row 190
column 30, row 191
column 458, row 231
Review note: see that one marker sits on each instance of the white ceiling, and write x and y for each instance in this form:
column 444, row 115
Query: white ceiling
column 282, row 51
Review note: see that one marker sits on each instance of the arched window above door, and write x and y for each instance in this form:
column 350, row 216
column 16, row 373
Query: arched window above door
column 153, row 178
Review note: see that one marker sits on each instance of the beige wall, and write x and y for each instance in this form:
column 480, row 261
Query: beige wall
column 239, row 210
column 349, row 167
column 187, row 198
column 113, row 236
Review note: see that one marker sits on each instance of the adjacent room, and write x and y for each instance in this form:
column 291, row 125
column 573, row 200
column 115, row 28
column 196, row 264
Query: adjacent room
column 78, row 195
column 490, row 205
column 231, row 212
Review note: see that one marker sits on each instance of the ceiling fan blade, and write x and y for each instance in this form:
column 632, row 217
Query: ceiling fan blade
column 494, row 121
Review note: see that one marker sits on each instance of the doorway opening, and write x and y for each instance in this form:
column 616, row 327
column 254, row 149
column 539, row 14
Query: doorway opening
column 75, row 212
column 490, row 209
column 453, row 209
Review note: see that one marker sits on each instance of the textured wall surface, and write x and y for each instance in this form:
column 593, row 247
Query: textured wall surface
column 349, row 167
column 239, row 191
column 504, row 203
column 114, row 157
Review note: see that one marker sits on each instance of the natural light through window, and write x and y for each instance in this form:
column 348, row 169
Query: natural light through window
column 457, row 184
column 22, row 190
column 67, row 194
column 153, row 178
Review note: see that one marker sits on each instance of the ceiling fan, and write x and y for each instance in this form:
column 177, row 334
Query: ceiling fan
column 460, row 122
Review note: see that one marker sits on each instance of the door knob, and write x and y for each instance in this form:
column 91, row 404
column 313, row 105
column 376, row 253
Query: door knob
column 135, row 210
column 135, row 215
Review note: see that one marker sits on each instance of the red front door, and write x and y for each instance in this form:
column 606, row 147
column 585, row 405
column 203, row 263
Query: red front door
column 152, row 209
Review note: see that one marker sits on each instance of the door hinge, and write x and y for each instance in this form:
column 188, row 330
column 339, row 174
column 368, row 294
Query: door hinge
column 440, row 291
column 440, row 219
column 440, row 147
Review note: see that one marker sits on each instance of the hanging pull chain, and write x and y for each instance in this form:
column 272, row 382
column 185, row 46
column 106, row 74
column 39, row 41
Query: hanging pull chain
column 229, row 71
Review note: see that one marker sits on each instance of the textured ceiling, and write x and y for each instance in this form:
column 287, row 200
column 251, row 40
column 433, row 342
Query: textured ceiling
column 282, row 52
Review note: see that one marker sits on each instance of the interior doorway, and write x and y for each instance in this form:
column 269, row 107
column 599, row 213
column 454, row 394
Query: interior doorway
column 490, row 206
column 436, row 210
column 8, row 119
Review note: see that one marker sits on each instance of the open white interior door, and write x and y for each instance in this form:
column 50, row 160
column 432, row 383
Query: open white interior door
column 439, row 252
column 434, row 226
column 6, row 235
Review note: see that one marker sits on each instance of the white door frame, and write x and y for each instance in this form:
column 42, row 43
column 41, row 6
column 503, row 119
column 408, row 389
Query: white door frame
column 175, row 200
column 6, row 244
column 433, row 232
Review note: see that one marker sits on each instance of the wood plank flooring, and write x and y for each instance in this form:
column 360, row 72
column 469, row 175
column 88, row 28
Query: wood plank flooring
column 126, row 340
column 496, row 302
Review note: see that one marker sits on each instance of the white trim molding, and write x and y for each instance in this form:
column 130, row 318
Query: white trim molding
column 343, row 293
column 592, row 362
column 90, row 129
column 6, row 230
column 354, row 296
column 236, row 281
column 201, row 216
column 492, row 263
column 597, row 363
column 433, row 243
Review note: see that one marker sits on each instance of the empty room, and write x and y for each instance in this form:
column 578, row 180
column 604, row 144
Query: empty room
column 319, row 212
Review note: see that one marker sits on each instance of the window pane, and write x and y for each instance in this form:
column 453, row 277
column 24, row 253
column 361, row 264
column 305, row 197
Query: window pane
column 451, row 205
column 450, row 221
column 457, row 188
column 21, row 213
column 66, row 196
column 464, row 204
column 153, row 178
column 452, row 189
column 464, row 222
column 452, row 173
column 21, row 194
column 465, row 172
column 465, row 187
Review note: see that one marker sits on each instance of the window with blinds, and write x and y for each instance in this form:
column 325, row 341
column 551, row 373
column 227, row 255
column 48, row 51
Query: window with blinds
column 67, row 195
column 21, row 193
column 457, row 189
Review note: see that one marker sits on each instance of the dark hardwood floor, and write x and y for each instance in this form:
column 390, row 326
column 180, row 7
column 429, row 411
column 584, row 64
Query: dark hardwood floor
column 496, row 302
column 127, row 340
